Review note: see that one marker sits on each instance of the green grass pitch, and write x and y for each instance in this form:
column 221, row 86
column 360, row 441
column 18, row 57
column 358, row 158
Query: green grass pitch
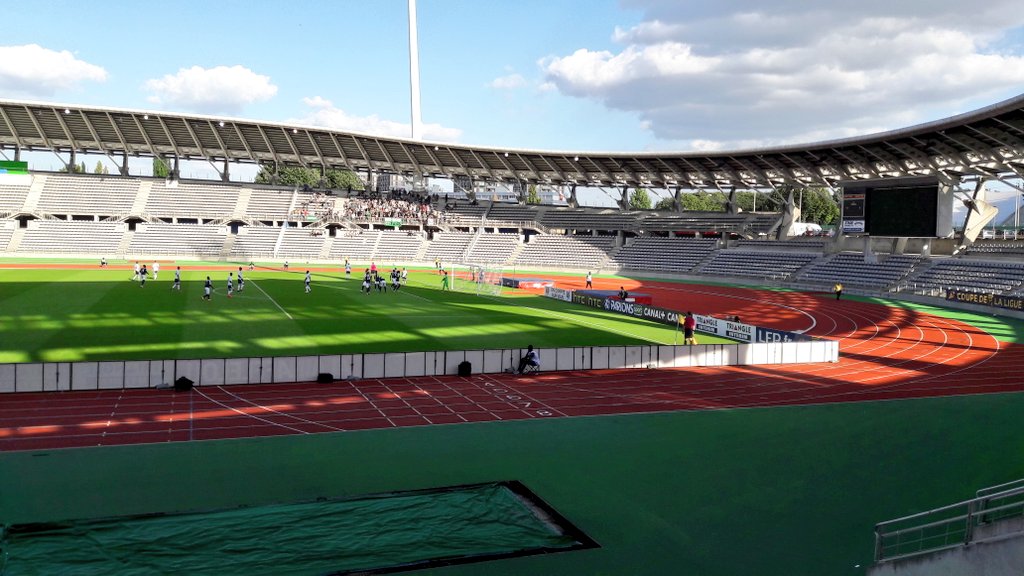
column 101, row 314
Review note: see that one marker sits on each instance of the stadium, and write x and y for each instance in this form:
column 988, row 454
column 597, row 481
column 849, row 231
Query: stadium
column 303, row 421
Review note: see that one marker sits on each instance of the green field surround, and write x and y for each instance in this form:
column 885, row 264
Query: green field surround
column 792, row 491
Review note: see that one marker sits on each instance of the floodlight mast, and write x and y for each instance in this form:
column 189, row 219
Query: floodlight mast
column 414, row 74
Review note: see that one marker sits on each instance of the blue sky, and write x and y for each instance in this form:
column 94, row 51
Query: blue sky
column 592, row 75
column 567, row 74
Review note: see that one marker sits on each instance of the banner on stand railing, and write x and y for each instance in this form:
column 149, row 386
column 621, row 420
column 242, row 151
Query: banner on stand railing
column 706, row 324
column 558, row 293
column 986, row 299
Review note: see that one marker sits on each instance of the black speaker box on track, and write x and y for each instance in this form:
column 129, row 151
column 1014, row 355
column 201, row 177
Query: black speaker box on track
column 325, row 378
column 183, row 384
column 465, row 368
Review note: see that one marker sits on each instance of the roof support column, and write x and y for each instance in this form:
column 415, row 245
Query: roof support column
column 573, row 202
column 225, row 174
column 677, row 204
column 17, row 153
column 624, row 201
column 176, row 169
column 786, row 220
column 979, row 213
column 731, row 206
column 123, row 168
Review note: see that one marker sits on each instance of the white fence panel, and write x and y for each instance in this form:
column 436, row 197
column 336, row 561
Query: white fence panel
column 394, row 365
column 57, row 376
column 211, row 372
column 351, row 366
column 452, row 359
column 284, row 369
column 414, row 364
column 307, row 368
column 713, row 355
column 563, row 358
column 190, row 369
column 29, row 378
column 261, row 371
column 83, row 375
column 476, row 358
column 759, row 353
column 161, row 373
column 331, row 364
column 744, row 355
column 8, row 379
column 110, row 375
column 373, row 365
column 789, row 353
column 136, row 374
column 494, row 361
column 236, row 371
column 616, row 357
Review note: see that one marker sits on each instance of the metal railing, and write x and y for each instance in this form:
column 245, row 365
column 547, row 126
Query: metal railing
column 949, row 526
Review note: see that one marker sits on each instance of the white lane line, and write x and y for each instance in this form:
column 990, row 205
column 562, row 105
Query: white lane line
column 268, row 409
column 233, row 409
column 253, row 282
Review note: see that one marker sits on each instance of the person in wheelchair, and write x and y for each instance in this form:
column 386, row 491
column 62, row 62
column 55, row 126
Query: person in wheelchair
column 530, row 362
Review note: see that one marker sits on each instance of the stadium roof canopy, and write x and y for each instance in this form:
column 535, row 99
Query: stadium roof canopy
column 988, row 143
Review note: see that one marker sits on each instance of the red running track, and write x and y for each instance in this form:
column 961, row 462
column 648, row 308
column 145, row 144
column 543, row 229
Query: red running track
column 886, row 353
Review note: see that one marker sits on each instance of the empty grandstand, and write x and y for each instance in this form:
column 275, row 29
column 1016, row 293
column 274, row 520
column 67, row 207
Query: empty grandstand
column 574, row 252
column 767, row 264
column 852, row 270
column 659, row 254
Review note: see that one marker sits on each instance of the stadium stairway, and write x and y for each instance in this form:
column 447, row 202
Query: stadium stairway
column 796, row 273
column 325, row 248
column 229, row 245
column 35, row 192
column 242, row 205
column 421, row 254
column 472, row 243
column 16, row 237
column 515, row 253
column 126, row 241
column 920, row 267
column 142, row 197
column 698, row 268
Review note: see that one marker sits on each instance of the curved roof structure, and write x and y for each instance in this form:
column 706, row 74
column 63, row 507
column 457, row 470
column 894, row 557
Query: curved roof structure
column 988, row 142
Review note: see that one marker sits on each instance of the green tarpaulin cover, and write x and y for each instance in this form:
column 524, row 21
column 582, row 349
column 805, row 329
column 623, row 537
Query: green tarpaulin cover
column 323, row 537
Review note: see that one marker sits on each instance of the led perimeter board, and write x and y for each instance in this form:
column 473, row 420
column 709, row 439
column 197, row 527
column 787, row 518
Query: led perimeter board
column 917, row 207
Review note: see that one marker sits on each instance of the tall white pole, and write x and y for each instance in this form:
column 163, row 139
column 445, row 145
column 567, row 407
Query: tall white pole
column 414, row 73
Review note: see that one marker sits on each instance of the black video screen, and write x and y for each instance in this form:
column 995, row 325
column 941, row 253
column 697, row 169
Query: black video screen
column 909, row 211
column 897, row 207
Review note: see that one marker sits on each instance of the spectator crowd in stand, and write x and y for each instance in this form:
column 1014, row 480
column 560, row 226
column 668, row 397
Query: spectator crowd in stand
column 410, row 208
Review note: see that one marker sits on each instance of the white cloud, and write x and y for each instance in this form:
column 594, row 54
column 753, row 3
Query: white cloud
column 220, row 89
column 508, row 82
column 33, row 71
column 737, row 72
column 323, row 113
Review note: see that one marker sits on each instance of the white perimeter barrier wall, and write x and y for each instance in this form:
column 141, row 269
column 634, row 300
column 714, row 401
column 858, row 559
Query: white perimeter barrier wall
column 56, row 376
